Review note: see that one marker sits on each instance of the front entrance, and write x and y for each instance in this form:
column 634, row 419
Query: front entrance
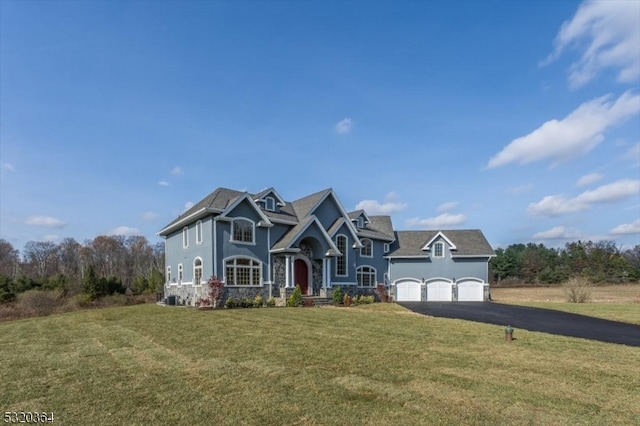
column 301, row 274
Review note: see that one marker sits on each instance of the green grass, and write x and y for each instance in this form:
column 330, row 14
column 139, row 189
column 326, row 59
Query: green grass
column 375, row 364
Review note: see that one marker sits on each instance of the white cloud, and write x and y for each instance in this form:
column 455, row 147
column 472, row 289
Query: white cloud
column 446, row 207
column 607, row 34
column 576, row 134
column 522, row 189
column 627, row 228
column 589, row 179
column 188, row 205
column 7, row 166
column 344, row 126
column 557, row 233
column 50, row 238
column 163, row 183
column 442, row 221
column 633, row 153
column 149, row 216
column 554, row 205
column 390, row 205
column 124, row 230
column 45, row 221
column 176, row 171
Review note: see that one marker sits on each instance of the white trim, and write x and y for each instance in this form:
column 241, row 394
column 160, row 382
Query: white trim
column 375, row 276
column 234, row 258
column 215, row 248
column 272, row 201
column 345, row 254
column 253, row 231
column 364, row 245
column 199, row 232
column 301, row 231
column 305, row 259
column 444, row 237
column 243, row 197
column 168, row 271
column 193, row 279
column 343, row 212
column 180, row 273
column 168, row 229
column 350, row 228
column 185, row 237
column 433, row 251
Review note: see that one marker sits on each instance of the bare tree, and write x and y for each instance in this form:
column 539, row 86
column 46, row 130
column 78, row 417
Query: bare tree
column 9, row 259
column 41, row 258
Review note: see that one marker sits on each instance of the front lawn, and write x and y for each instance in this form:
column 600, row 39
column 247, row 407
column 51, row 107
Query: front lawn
column 376, row 364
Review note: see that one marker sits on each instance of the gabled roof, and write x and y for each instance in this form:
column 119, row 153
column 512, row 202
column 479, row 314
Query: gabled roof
column 269, row 191
column 357, row 213
column 245, row 197
column 469, row 243
column 427, row 246
column 378, row 227
column 216, row 202
column 294, row 233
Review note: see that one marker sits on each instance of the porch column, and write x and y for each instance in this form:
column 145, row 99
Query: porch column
column 324, row 272
column 329, row 272
column 287, row 271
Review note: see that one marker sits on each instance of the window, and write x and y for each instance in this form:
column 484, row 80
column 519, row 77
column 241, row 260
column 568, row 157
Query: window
column 367, row 248
column 180, row 273
column 386, row 247
column 270, row 204
column 168, row 274
column 366, row 276
column 185, row 237
column 197, row 271
column 242, row 231
column 359, row 222
column 243, row 271
column 341, row 261
column 199, row 232
column 438, row 250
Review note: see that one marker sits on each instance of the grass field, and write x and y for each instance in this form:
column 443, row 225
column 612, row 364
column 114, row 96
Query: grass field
column 376, row 364
column 614, row 302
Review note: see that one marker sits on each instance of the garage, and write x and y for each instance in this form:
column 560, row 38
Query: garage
column 408, row 291
column 470, row 291
column 439, row 291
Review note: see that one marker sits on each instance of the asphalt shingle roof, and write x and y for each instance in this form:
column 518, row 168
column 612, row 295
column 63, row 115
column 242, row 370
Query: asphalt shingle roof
column 469, row 242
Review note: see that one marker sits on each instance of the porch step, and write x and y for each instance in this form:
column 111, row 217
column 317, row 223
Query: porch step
column 318, row 300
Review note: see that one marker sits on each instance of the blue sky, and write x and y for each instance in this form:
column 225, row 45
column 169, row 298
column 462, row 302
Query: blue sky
column 518, row 118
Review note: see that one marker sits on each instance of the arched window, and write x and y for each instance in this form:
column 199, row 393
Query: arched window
column 243, row 271
column 180, row 273
column 366, row 276
column 168, row 274
column 199, row 232
column 197, row 271
column 242, row 231
column 367, row 248
column 341, row 261
column 185, row 237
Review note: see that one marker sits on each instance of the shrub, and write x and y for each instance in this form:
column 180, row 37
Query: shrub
column 115, row 300
column 81, row 300
column 245, row 302
column 346, row 300
column 257, row 301
column 295, row 299
column 271, row 302
column 40, row 302
column 383, row 293
column 232, row 302
column 577, row 290
column 366, row 300
column 336, row 296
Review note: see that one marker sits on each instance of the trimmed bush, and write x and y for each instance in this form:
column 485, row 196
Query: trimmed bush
column 295, row 299
column 257, row 301
column 232, row 302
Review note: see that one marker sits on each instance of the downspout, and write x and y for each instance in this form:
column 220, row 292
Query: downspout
column 215, row 246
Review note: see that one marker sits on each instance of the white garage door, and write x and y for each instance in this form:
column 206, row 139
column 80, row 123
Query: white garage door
column 408, row 291
column 470, row 291
column 439, row 291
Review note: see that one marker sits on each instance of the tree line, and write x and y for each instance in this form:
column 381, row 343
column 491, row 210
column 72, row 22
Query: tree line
column 599, row 262
column 99, row 267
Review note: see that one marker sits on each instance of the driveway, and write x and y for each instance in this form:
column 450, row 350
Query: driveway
column 533, row 319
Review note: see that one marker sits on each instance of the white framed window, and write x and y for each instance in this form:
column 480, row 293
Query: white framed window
column 438, row 249
column 180, row 273
column 360, row 222
column 366, row 276
column 185, row 237
column 386, row 247
column 199, row 232
column 242, row 231
column 270, row 204
column 341, row 261
column 168, row 274
column 197, row 271
column 367, row 248
column 243, row 271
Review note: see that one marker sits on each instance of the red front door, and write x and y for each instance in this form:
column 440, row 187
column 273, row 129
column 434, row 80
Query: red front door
column 301, row 273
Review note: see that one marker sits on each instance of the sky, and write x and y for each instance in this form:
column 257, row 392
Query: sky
column 519, row 118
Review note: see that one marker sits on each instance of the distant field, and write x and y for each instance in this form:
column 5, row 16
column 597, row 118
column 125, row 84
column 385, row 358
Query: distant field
column 615, row 302
column 372, row 365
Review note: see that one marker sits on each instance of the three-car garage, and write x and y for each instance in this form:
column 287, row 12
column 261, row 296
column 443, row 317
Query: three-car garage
column 440, row 290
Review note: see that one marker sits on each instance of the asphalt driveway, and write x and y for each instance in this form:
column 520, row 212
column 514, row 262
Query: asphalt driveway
column 533, row 319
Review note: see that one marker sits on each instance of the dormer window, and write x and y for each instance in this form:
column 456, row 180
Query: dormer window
column 438, row 249
column 270, row 204
column 360, row 222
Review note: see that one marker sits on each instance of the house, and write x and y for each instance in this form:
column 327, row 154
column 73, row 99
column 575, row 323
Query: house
column 262, row 244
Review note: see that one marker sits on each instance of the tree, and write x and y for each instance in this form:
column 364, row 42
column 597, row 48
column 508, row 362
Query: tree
column 91, row 284
column 41, row 257
column 9, row 259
